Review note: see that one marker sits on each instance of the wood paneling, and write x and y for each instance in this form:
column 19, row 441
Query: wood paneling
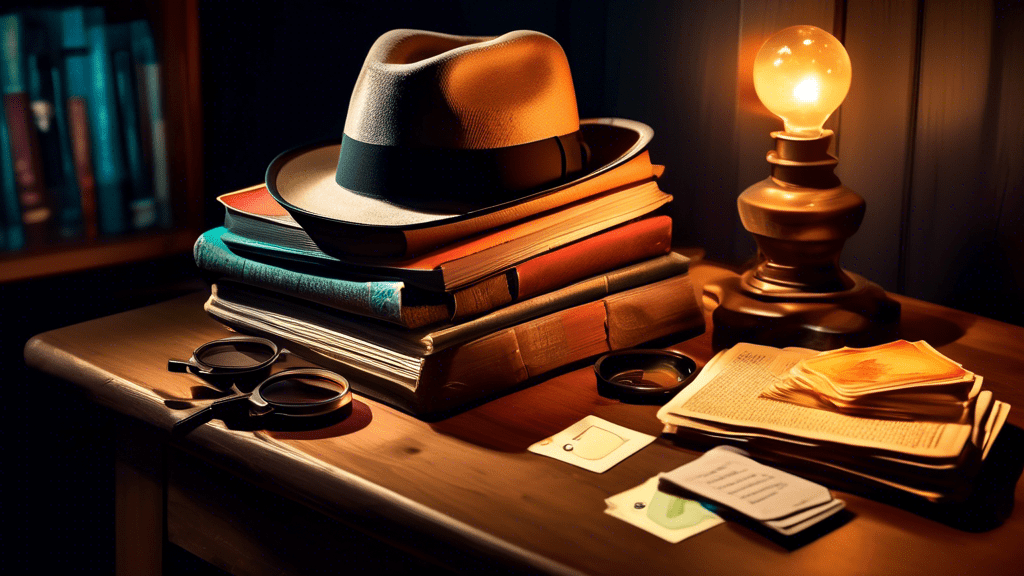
column 877, row 130
column 673, row 66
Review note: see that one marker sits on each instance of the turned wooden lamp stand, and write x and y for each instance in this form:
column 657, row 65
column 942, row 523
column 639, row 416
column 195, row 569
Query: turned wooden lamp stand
column 797, row 294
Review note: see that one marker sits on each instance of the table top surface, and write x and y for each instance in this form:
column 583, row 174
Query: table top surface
column 469, row 480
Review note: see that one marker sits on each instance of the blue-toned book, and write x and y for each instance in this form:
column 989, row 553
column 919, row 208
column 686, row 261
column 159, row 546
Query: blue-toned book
column 142, row 204
column 105, row 132
column 77, row 88
column 382, row 299
column 151, row 117
column 13, row 236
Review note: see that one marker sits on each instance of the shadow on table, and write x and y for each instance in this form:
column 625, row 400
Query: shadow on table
column 992, row 495
column 936, row 330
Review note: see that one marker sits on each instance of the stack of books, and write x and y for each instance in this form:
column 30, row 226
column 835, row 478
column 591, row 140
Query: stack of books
column 746, row 397
column 485, row 307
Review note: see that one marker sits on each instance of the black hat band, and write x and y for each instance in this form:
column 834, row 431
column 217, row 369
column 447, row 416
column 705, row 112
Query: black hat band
column 419, row 176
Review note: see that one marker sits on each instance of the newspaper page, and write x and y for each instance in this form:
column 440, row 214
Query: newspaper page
column 729, row 395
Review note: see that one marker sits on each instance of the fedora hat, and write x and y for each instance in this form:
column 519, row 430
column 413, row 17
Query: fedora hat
column 442, row 127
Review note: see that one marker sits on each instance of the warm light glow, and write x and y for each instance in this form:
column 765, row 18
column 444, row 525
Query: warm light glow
column 802, row 74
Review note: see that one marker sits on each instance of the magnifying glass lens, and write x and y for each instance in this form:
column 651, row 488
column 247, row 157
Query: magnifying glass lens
column 652, row 378
column 235, row 355
column 300, row 391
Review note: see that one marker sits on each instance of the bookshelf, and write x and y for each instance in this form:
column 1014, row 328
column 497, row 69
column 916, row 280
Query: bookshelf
column 175, row 27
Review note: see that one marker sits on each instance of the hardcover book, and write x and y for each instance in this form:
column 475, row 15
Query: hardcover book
column 249, row 207
column 412, row 307
column 468, row 260
column 431, row 371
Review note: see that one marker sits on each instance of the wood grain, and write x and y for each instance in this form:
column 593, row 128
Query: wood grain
column 467, row 481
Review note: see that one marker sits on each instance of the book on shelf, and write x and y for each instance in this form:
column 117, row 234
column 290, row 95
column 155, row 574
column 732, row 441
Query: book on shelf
column 403, row 241
column 152, row 130
column 46, row 92
column 104, row 128
column 431, row 370
column 37, row 211
column 142, row 204
column 471, row 259
column 932, row 460
column 413, row 307
column 75, row 47
column 12, row 234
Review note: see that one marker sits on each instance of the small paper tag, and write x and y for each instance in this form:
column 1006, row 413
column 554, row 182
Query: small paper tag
column 592, row 444
column 668, row 517
column 752, row 489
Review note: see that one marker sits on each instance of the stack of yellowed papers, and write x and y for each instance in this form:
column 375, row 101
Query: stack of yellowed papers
column 727, row 403
column 898, row 380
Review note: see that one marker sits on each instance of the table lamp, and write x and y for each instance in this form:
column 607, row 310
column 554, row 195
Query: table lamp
column 796, row 294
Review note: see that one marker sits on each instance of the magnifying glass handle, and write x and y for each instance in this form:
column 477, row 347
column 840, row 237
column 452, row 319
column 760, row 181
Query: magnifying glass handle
column 178, row 366
column 205, row 414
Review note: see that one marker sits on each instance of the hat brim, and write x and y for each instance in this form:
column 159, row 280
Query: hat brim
column 302, row 180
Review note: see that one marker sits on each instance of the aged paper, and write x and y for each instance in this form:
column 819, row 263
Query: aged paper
column 729, row 395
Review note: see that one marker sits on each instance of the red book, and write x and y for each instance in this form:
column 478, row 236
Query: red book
column 36, row 205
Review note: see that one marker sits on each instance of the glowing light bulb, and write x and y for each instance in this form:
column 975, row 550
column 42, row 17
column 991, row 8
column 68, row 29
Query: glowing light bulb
column 802, row 74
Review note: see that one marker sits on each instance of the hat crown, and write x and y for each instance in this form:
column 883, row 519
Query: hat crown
column 427, row 89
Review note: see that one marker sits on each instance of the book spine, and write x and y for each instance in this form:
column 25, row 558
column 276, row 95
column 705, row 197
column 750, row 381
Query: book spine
column 142, row 206
column 606, row 251
column 381, row 300
column 77, row 74
column 108, row 161
column 81, row 154
column 587, row 290
column 10, row 208
column 151, row 118
column 45, row 88
column 509, row 357
column 618, row 247
column 36, row 208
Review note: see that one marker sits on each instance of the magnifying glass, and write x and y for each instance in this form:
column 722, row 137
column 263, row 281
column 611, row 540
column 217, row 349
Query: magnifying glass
column 644, row 376
column 292, row 393
column 235, row 356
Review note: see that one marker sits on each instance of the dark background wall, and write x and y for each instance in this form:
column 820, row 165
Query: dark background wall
column 932, row 135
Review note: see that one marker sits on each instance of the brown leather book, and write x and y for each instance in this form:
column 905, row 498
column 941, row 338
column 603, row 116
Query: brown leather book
column 450, row 371
column 78, row 126
column 36, row 203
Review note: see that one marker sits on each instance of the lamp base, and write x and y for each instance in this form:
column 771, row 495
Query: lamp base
column 862, row 315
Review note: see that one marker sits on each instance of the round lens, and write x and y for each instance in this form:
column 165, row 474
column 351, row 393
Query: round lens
column 235, row 355
column 301, row 390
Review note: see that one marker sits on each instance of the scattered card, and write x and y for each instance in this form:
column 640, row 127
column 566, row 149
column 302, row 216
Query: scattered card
column 668, row 517
column 592, row 444
column 777, row 499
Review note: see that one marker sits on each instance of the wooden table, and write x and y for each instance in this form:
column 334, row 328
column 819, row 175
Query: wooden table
column 463, row 491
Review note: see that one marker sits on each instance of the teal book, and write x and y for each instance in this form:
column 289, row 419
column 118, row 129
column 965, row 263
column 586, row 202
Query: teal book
column 105, row 132
column 12, row 235
column 142, row 204
column 385, row 300
column 77, row 80
column 151, row 118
